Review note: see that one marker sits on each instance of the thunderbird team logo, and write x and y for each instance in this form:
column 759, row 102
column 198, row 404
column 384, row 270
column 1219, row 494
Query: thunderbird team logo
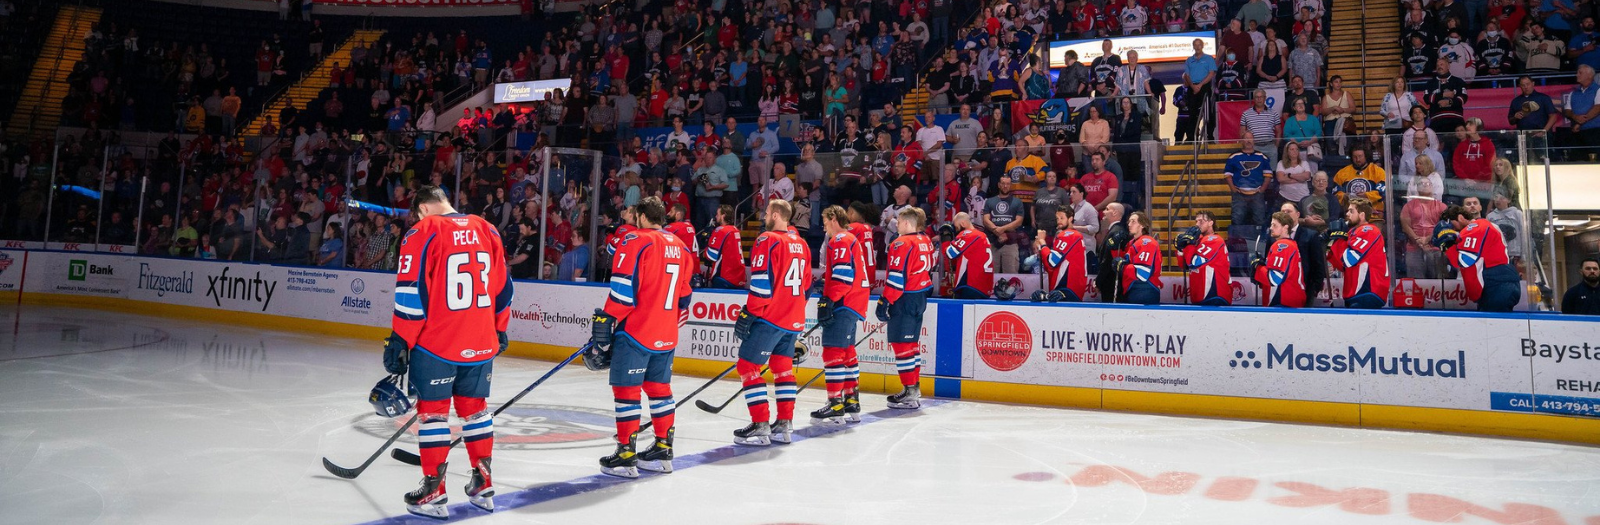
column 1053, row 111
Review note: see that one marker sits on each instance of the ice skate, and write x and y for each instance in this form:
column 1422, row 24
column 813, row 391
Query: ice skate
column 623, row 463
column 480, row 491
column 908, row 399
column 755, row 435
column 658, row 458
column 831, row 413
column 429, row 499
column 783, row 431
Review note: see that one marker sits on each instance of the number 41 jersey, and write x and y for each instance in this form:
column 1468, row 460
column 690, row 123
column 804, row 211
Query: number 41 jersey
column 780, row 280
column 453, row 292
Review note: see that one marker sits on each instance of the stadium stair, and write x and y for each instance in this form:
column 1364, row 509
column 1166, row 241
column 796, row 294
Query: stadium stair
column 38, row 108
column 1374, row 24
column 1210, row 193
column 309, row 87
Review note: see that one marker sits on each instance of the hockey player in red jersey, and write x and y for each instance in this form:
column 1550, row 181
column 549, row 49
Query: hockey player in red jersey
column 629, row 224
column 843, row 304
column 1477, row 248
column 973, row 261
column 774, row 313
column 862, row 217
column 1204, row 256
column 1140, row 263
column 1358, row 251
column 451, row 306
column 724, row 255
column 678, row 225
column 905, row 299
column 636, row 333
column 1279, row 274
column 1064, row 259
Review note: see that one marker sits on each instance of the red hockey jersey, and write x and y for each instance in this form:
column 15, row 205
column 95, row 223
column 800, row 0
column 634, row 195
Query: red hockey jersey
column 846, row 264
column 685, row 234
column 1280, row 278
column 863, row 233
column 650, row 288
column 1364, row 260
column 1064, row 263
column 726, row 255
column 1479, row 248
column 1206, row 262
column 974, row 263
column 1144, row 262
column 910, row 264
column 453, row 291
column 617, row 236
column 780, row 280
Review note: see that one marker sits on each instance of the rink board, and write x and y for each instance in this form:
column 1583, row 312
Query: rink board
column 1520, row 375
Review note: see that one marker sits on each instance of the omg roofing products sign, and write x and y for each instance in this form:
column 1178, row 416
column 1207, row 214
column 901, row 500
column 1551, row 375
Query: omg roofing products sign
column 1377, row 359
column 709, row 334
column 1565, row 358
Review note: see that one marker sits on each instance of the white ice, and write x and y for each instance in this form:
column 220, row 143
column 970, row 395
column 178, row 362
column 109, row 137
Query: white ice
column 118, row 418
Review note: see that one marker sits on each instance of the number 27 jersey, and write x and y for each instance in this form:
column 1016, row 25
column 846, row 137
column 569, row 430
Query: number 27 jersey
column 780, row 280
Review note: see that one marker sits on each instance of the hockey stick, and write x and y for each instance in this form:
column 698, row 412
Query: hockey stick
column 697, row 391
column 708, row 407
column 716, row 409
column 351, row 473
column 409, row 458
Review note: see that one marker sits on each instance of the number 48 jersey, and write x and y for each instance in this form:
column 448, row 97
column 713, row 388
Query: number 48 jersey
column 452, row 292
column 650, row 288
column 780, row 280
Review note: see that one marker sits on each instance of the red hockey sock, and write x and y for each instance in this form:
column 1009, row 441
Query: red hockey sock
column 477, row 427
column 662, row 406
column 433, row 437
column 833, row 365
column 852, row 371
column 783, row 385
column 755, row 391
column 627, row 399
column 908, row 362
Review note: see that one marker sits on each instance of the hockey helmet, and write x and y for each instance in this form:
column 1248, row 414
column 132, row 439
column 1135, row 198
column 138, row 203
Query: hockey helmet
column 389, row 397
column 1006, row 289
column 697, row 281
column 800, row 351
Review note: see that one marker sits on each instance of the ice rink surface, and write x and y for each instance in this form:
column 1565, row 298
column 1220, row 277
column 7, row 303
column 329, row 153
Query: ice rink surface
column 121, row 418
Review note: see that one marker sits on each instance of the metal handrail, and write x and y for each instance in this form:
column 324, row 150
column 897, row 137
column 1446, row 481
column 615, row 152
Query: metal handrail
column 49, row 80
column 266, row 103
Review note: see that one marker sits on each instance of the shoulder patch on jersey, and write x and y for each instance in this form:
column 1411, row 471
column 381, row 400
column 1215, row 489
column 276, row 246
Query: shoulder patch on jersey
column 409, row 233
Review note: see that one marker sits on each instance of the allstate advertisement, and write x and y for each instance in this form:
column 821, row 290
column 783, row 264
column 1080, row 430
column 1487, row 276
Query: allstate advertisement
column 1401, row 360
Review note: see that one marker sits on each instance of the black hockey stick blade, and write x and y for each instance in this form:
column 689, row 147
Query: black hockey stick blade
column 351, row 473
column 411, row 458
column 718, row 408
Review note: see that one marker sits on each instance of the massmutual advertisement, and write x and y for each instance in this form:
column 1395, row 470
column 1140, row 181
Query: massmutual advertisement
column 1171, row 47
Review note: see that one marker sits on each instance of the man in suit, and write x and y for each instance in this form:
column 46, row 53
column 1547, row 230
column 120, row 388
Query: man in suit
column 1113, row 240
column 1313, row 253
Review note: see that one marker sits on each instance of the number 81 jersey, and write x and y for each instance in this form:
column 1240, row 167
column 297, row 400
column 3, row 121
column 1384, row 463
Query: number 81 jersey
column 780, row 280
column 452, row 293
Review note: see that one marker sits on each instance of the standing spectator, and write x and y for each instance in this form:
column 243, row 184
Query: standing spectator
column 1338, row 106
column 1583, row 298
column 1261, row 124
column 1584, row 49
column 1101, row 187
column 574, row 265
column 1582, row 108
column 1417, row 218
column 1294, row 174
column 1361, row 179
column 331, row 253
column 1199, row 71
column 1531, row 112
column 1073, row 81
column 1396, row 107
column 1409, row 171
column 1002, row 218
column 1246, row 172
column 1540, row 52
column 1474, row 158
column 230, row 110
column 1494, row 50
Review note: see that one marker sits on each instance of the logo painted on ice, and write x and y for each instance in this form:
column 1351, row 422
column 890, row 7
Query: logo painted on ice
column 1004, row 341
column 1352, row 360
column 534, row 427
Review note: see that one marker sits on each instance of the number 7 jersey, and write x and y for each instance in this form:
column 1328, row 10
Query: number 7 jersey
column 780, row 280
column 452, row 292
column 650, row 288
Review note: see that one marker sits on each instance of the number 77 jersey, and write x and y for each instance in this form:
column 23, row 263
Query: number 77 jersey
column 650, row 288
column 780, row 280
column 452, row 292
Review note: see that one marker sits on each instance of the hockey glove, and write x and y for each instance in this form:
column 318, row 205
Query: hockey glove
column 596, row 357
column 824, row 311
column 1256, row 264
column 1444, row 236
column 601, row 329
column 1118, row 263
column 883, row 310
column 1188, row 237
column 504, row 342
column 1336, row 235
column 742, row 325
column 394, row 354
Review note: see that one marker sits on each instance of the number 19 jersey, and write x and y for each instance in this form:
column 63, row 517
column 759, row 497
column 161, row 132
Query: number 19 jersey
column 780, row 280
column 650, row 288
